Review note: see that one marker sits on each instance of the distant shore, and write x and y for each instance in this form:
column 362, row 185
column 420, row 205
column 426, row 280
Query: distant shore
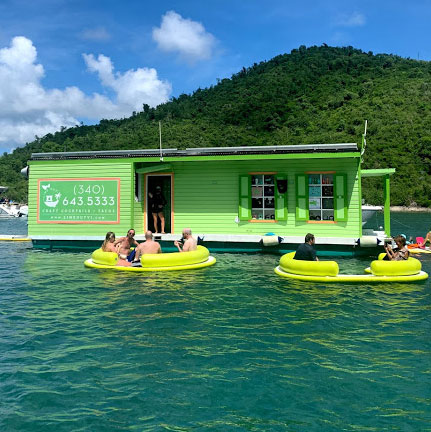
column 410, row 209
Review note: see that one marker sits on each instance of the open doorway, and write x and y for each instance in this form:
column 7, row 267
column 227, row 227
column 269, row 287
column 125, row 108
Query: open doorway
column 159, row 202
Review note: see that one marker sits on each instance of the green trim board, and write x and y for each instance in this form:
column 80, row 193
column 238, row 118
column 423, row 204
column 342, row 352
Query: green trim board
column 340, row 197
column 280, row 197
column 385, row 173
column 132, row 194
column 154, row 168
column 386, row 209
column 302, row 212
column 244, row 211
column 377, row 172
column 360, row 194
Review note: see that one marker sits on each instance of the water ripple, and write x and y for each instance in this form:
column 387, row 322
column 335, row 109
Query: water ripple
column 229, row 348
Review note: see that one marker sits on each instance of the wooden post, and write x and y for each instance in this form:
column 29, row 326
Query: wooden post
column 387, row 208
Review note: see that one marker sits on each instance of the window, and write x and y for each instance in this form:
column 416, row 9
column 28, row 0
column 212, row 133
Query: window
column 262, row 197
column 321, row 197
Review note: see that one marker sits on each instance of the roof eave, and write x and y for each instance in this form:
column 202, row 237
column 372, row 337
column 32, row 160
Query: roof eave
column 208, row 151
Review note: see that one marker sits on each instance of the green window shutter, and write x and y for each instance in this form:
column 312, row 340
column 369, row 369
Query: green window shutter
column 340, row 197
column 301, row 197
column 244, row 211
column 280, row 199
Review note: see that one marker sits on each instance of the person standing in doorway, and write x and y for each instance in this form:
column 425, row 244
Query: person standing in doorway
column 157, row 205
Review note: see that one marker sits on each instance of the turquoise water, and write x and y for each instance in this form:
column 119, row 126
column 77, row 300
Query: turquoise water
column 229, row 348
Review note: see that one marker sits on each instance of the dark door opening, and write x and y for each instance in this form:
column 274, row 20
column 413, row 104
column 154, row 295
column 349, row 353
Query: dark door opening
column 159, row 189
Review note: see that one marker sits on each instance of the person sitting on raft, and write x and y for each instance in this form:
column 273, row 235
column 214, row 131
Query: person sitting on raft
column 400, row 252
column 148, row 247
column 306, row 251
column 108, row 244
column 427, row 240
column 125, row 243
column 188, row 242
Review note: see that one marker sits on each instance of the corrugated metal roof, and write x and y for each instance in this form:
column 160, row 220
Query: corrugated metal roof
column 206, row 151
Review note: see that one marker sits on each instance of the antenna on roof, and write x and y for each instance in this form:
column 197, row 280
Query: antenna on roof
column 160, row 136
column 364, row 141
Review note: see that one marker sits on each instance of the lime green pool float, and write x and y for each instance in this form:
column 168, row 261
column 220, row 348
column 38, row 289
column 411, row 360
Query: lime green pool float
column 328, row 271
column 154, row 262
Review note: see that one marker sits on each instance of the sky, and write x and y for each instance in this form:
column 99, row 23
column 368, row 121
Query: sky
column 63, row 62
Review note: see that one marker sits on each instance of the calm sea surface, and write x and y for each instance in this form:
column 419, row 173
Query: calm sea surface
column 232, row 347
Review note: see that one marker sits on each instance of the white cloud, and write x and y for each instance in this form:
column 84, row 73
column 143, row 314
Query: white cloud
column 28, row 109
column 355, row 19
column 184, row 36
column 98, row 34
column 134, row 86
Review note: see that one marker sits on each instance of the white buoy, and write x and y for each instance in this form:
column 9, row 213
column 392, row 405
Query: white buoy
column 270, row 240
column 368, row 241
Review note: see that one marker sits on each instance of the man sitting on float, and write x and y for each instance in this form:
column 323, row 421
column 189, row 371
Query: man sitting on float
column 124, row 245
column 148, row 247
column 188, row 242
column 306, row 251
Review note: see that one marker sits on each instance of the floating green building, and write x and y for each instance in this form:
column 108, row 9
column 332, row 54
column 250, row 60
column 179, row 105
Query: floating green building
column 231, row 197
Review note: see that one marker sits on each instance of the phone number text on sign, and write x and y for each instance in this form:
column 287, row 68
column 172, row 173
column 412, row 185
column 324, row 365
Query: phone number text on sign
column 93, row 200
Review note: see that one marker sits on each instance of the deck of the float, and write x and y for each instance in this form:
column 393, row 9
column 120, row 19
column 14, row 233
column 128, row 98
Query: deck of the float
column 225, row 243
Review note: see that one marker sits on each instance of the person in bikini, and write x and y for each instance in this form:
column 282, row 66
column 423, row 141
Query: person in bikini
column 108, row 244
column 148, row 247
column 427, row 240
column 124, row 245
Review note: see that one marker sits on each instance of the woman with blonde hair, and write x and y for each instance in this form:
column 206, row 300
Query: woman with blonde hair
column 108, row 244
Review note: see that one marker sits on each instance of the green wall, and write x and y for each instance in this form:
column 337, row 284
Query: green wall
column 81, row 169
column 205, row 196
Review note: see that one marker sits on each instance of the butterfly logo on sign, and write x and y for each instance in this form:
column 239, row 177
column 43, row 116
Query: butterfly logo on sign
column 50, row 196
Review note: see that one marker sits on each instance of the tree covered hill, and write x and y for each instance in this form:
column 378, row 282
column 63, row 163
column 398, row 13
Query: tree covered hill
column 312, row 95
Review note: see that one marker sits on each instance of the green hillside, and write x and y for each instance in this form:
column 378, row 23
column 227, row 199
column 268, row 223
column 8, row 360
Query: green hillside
column 312, row 95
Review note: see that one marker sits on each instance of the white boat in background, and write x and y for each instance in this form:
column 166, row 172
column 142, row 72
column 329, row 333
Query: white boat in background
column 8, row 210
column 368, row 211
column 23, row 211
column 13, row 210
